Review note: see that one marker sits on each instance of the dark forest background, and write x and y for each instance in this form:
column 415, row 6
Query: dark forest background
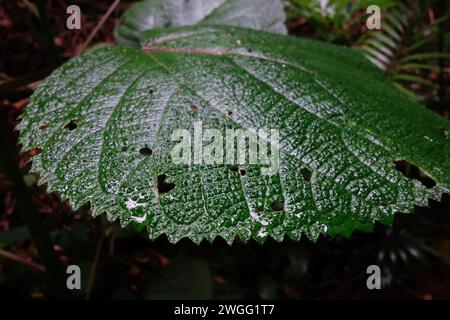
column 414, row 253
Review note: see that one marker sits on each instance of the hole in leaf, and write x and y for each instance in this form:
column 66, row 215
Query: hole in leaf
column 445, row 133
column 27, row 166
column 277, row 206
column 124, row 149
column 151, row 91
column 146, row 151
column 44, row 126
column 242, row 172
column 162, row 185
column 249, row 50
column 71, row 125
column 413, row 172
column 230, row 113
column 306, row 174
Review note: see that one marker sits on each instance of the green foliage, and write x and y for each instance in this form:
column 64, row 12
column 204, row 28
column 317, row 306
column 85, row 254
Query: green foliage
column 183, row 278
column 339, row 117
column 335, row 20
column 401, row 48
column 404, row 47
column 14, row 235
column 150, row 14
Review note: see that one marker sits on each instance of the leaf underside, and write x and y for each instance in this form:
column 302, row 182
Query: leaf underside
column 265, row 15
column 338, row 116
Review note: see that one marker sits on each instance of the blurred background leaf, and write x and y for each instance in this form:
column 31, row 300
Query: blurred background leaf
column 183, row 278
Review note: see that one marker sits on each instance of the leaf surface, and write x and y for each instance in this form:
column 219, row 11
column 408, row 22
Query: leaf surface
column 103, row 125
column 265, row 15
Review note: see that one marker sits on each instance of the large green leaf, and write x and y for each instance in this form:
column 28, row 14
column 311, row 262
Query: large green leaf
column 97, row 117
column 150, row 14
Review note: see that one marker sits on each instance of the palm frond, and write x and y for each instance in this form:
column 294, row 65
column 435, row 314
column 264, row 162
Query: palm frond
column 400, row 48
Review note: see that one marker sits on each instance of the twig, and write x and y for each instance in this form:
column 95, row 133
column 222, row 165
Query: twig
column 100, row 23
column 22, row 260
column 46, row 33
column 91, row 281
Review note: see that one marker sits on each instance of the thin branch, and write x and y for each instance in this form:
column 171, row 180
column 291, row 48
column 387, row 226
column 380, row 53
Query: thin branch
column 21, row 260
column 94, row 267
column 100, row 23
